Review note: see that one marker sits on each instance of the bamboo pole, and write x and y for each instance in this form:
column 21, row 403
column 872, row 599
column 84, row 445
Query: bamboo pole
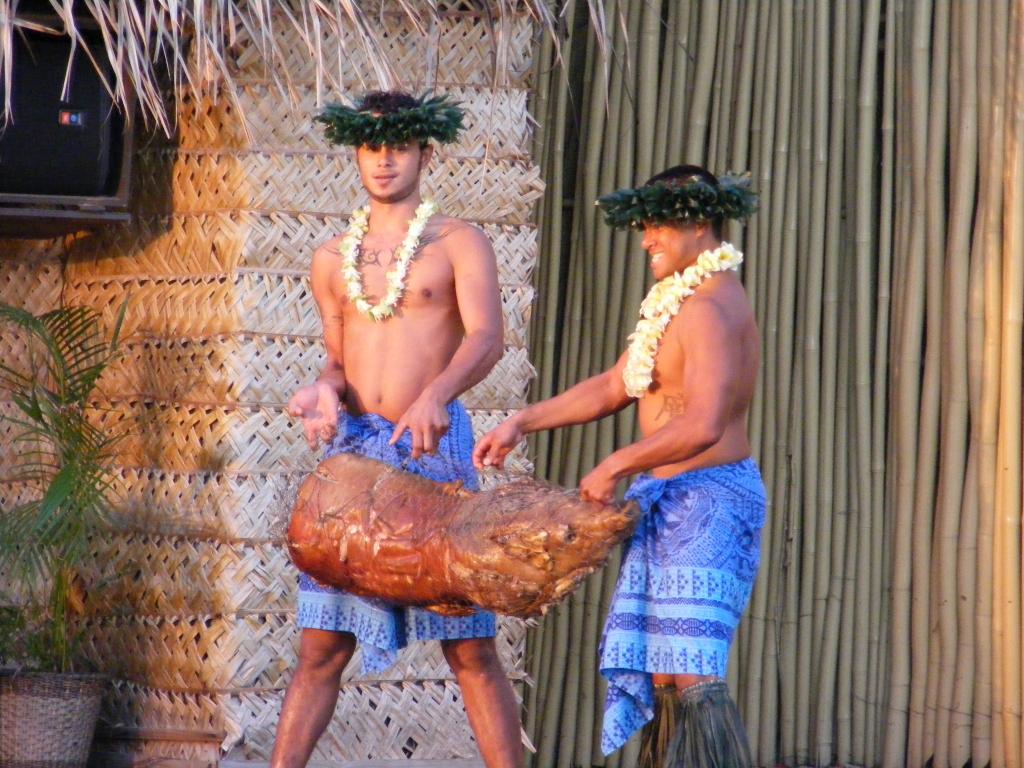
column 788, row 422
column 902, row 199
column 671, row 105
column 939, row 617
column 849, row 617
column 961, row 735
column 846, row 734
column 697, row 121
column 816, row 152
column 1007, row 737
column 949, row 530
column 829, row 730
column 925, row 668
column 979, row 630
column 590, row 705
column 550, row 106
column 993, row 91
column 740, row 119
column 762, row 120
column 636, row 110
column 539, row 655
column 880, row 400
column 828, row 569
column 602, row 267
column 551, row 716
column 843, row 714
column 567, row 740
column 742, row 128
column 722, row 101
column 592, row 264
column 866, row 284
column 791, row 328
column 776, row 156
column 906, row 399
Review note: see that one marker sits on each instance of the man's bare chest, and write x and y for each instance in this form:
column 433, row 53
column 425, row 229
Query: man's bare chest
column 670, row 358
column 428, row 280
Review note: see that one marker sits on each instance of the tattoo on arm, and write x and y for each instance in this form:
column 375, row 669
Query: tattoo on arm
column 672, row 405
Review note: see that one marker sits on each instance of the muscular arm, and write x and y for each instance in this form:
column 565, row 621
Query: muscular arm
column 324, row 264
column 479, row 303
column 710, row 379
column 591, row 399
column 594, row 398
column 317, row 404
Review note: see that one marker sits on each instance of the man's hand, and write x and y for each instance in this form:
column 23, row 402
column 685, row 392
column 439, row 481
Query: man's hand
column 497, row 444
column 427, row 420
column 599, row 485
column 318, row 406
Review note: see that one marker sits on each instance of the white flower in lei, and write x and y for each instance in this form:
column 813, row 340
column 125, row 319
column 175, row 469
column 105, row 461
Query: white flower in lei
column 395, row 286
column 661, row 305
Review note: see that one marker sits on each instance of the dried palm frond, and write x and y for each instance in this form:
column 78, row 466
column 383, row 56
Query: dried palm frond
column 189, row 48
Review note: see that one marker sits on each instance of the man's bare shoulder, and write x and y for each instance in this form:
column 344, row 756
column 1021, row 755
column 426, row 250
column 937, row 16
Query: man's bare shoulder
column 456, row 237
column 326, row 262
column 327, row 256
column 329, row 251
column 721, row 302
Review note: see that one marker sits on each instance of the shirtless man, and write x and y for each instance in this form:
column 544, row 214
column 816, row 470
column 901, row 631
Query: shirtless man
column 402, row 344
column 690, row 567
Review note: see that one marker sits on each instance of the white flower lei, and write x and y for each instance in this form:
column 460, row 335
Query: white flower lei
column 349, row 248
column 661, row 305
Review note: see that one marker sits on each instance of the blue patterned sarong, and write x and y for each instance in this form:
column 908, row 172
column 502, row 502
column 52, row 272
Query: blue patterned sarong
column 380, row 626
column 686, row 578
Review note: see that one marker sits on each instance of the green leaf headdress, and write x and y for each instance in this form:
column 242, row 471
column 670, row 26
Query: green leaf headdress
column 428, row 117
column 697, row 200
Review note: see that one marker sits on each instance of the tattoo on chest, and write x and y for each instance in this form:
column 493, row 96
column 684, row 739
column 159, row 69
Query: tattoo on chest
column 379, row 256
column 384, row 257
column 671, row 405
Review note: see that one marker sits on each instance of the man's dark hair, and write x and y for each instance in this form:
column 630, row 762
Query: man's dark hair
column 678, row 175
column 387, row 103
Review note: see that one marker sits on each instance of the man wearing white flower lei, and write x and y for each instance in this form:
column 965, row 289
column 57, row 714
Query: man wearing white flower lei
column 411, row 317
column 689, row 569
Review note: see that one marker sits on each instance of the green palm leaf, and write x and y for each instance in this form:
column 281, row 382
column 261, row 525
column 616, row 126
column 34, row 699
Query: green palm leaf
column 60, row 451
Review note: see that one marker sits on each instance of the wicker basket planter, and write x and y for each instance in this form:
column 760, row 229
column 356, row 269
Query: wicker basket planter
column 47, row 719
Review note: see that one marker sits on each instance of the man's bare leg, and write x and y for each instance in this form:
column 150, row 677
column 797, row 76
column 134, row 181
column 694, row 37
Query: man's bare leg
column 312, row 695
column 489, row 699
column 682, row 682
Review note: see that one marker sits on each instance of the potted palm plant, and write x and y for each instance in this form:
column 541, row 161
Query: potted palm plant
column 48, row 708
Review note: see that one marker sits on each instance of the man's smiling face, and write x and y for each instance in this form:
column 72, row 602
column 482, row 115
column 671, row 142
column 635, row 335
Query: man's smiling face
column 391, row 172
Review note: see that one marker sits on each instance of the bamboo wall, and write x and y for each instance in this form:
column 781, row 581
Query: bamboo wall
column 886, row 267
column 192, row 601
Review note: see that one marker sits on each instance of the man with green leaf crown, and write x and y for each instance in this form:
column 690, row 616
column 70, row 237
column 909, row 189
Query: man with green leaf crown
column 691, row 367
column 411, row 316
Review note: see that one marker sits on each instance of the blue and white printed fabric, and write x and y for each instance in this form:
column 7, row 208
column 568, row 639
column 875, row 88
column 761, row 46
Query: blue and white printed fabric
column 686, row 578
column 381, row 627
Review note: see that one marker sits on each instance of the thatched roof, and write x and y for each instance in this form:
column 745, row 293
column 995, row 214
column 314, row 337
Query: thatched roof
column 188, row 45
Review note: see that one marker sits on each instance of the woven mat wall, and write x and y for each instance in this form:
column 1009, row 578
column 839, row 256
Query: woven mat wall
column 194, row 614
